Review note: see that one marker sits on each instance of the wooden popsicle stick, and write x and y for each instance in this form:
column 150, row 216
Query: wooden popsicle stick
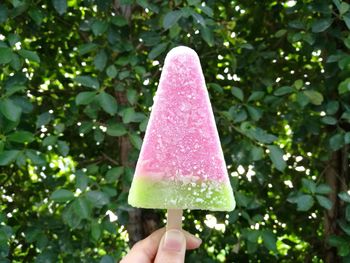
column 174, row 217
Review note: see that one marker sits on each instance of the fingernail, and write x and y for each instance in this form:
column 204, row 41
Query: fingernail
column 197, row 240
column 173, row 240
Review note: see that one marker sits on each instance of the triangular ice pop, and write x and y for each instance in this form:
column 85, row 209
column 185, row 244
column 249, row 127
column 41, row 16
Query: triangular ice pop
column 181, row 164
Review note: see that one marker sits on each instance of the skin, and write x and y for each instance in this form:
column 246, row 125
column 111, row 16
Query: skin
column 153, row 249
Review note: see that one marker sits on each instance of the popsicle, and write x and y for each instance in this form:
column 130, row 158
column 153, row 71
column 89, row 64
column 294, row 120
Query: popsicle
column 181, row 163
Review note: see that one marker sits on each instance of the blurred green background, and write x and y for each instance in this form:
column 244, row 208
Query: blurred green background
column 77, row 79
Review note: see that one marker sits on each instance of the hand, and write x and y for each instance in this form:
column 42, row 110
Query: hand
column 162, row 247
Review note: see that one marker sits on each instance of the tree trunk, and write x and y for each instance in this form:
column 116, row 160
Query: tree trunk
column 336, row 175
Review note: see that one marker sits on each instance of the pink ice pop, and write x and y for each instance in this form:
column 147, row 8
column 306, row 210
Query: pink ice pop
column 181, row 163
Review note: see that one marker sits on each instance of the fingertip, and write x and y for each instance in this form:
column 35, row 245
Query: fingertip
column 192, row 242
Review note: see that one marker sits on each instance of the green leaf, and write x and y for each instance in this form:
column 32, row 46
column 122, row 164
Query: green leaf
column 254, row 113
column 86, row 48
column 128, row 115
column 88, row 81
column 107, row 259
column 111, row 71
column 256, row 95
column 6, row 55
column 270, row 240
column 345, row 227
column 35, row 157
column 171, row 19
column 81, row 180
column 157, row 50
column 119, row 21
column 283, row 91
column 43, row 119
column 85, row 97
column 332, row 107
column 323, row 189
column 336, row 141
column 345, row 196
column 95, row 230
column 344, row 86
column 346, row 19
column 132, row 96
column 21, row 137
column 329, row 120
column 8, row 157
column 315, row 97
column 347, row 213
column 99, row 27
column 309, row 185
column 63, row 148
column 30, row 55
column 10, row 90
column 207, row 36
column 108, row 103
column 113, row 174
column 304, row 202
column 280, row 33
column 257, row 153
column 135, row 140
column 50, row 140
column 3, row 14
column 10, row 110
column 99, row 136
column 207, row 10
column 257, row 133
column 238, row 93
column 100, row 60
column 198, row 19
column 60, row 6
column 336, row 241
column 276, row 156
column 116, row 129
column 343, row 8
column 97, row 198
column 324, row 202
column 321, row 25
column 298, row 84
column 62, row 196
column 82, row 208
column 347, row 138
column 347, row 42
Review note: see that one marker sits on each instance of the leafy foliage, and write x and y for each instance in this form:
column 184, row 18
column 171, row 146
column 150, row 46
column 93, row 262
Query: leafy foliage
column 78, row 77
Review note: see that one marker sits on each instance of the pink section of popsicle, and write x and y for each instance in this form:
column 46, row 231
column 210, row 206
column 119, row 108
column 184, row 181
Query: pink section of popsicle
column 181, row 140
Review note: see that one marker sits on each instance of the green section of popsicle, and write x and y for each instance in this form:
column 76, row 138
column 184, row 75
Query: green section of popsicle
column 163, row 194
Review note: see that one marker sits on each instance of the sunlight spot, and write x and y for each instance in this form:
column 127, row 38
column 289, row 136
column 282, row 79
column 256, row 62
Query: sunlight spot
column 291, row 3
column 288, row 183
column 146, row 82
column 112, row 217
column 300, row 168
column 219, row 76
column 240, row 169
column 236, row 78
column 234, row 174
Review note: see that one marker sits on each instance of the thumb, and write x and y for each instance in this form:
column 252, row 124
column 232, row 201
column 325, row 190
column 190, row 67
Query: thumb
column 172, row 247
